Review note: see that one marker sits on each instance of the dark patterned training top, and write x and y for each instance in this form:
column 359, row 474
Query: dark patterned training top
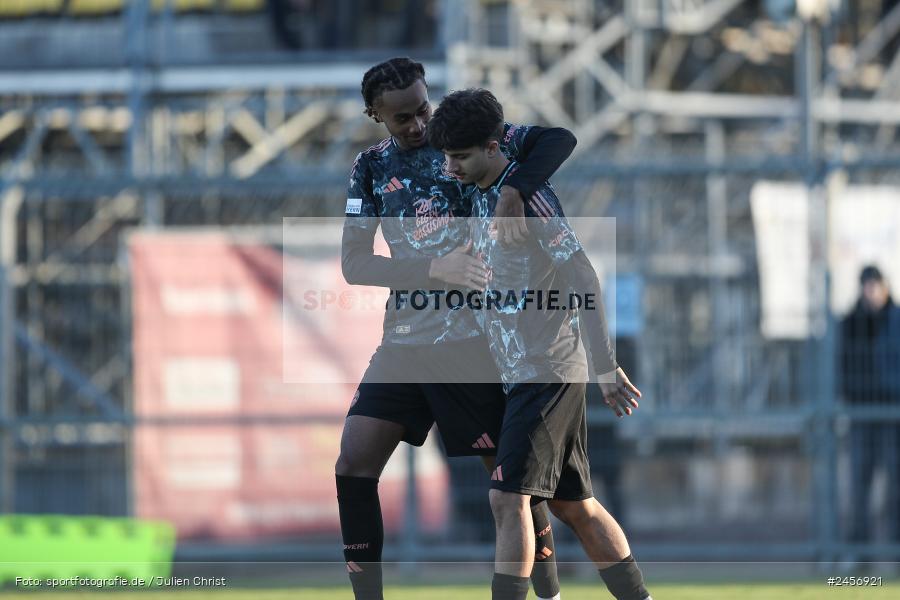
column 419, row 207
column 533, row 339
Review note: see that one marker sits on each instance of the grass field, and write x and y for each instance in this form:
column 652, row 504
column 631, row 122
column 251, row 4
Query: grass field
column 679, row 591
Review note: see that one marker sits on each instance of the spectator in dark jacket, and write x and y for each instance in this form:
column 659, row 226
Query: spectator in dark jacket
column 870, row 377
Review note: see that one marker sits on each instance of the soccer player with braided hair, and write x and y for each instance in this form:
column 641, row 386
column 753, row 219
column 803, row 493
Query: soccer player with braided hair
column 433, row 366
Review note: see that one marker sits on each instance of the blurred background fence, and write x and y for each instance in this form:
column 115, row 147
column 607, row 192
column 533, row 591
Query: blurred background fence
column 747, row 149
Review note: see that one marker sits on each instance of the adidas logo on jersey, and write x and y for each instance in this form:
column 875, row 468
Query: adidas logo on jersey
column 392, row 186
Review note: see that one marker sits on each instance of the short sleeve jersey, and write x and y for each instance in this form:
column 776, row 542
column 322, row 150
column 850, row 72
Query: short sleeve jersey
column 418, row 206
column 529, row 342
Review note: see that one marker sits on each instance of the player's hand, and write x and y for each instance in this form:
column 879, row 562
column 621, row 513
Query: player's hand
column 460, row 268
column 619, row 395
column 509, row 216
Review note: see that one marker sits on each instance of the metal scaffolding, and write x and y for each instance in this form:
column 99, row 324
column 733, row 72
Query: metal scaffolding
column 678, row 107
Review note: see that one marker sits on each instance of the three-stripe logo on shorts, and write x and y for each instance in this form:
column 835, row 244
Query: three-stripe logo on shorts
column 483, row 442
column 497, row 475
column 352, row 567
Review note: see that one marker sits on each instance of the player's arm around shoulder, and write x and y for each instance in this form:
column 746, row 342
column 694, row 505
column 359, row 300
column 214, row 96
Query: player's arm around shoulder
column 540, row 151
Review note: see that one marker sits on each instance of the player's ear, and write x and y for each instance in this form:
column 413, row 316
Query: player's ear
column 373, row 114
column 493, row 148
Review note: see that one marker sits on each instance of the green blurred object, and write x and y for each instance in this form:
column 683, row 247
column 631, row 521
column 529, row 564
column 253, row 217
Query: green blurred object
column 57, row 546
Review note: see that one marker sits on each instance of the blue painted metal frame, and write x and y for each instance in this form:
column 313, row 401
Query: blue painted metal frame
column 81, row 385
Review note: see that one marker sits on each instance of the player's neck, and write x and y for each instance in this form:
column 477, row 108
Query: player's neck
column 495, row 169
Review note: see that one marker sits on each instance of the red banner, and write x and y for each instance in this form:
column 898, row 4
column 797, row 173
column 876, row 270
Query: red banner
column 226, row 449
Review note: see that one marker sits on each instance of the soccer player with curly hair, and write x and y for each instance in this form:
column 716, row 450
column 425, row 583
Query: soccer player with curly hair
column 542, row 450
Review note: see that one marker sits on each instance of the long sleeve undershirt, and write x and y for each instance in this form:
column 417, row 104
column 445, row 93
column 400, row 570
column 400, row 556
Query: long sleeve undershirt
column 579, row 276
column 361, row 266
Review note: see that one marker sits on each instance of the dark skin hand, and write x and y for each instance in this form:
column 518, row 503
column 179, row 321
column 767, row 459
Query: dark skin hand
column 460, row 268
column 509, row 217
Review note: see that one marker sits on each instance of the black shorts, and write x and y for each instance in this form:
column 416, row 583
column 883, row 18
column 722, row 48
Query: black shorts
column 543, row 443
column 418, row 386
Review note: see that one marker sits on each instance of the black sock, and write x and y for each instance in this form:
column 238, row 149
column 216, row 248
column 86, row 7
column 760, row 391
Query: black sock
column 509, row 587
column 544, row 577
column 625, row 581
column 363, row 533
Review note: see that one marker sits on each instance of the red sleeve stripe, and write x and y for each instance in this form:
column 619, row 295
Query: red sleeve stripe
column 538, row 211
column 379, row 146
column 549, row 210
